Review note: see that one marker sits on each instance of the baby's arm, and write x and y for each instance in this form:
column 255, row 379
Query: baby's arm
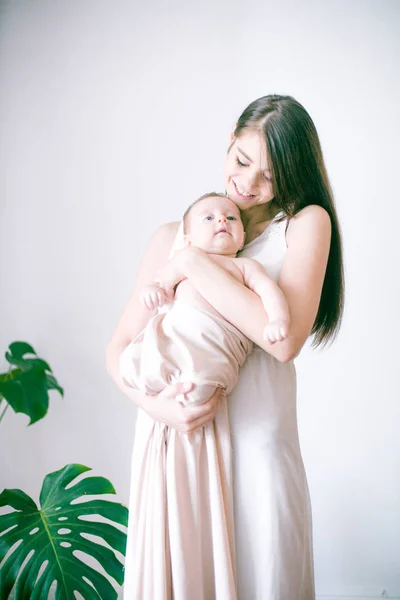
column 272, row 297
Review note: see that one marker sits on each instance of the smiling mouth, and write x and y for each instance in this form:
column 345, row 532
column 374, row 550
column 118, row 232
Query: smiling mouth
column 241, row 193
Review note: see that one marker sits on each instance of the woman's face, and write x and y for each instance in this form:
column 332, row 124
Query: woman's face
column 247, row 174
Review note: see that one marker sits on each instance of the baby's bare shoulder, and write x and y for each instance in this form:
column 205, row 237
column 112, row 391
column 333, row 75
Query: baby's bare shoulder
column 230, row 265
column 247, row 263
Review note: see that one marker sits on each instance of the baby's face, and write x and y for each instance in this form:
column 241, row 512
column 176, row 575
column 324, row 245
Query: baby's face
column 215, row 225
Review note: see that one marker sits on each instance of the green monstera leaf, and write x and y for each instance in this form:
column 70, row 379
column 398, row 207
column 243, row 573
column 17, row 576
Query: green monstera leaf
column 51, row 536
column 26, row 387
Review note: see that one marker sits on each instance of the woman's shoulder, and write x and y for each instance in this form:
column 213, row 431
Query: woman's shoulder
column 168, row 229
column 311, row 220
column 165, row 234
column 161, row 242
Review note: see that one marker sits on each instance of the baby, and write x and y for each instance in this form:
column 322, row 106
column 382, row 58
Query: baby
column 181, row 517
column 193, row 342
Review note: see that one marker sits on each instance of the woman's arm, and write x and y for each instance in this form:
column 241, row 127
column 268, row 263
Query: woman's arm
column 135, row 316
column 301, row 279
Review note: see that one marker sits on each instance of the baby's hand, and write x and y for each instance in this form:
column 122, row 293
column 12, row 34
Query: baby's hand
column 154, row 296
column 276, row 331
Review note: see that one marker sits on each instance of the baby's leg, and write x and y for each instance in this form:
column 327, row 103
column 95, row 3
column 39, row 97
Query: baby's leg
column 200, row 394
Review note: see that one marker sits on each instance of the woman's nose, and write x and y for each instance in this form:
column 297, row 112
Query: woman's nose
column 252, row 178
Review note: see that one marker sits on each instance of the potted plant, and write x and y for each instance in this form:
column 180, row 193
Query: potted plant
column 41, row 547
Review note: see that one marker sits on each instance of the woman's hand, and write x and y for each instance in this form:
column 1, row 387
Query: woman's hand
column 174, row 271
column 164, row 407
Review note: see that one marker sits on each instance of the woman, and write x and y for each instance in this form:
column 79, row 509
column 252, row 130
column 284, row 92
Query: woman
column 274, row 172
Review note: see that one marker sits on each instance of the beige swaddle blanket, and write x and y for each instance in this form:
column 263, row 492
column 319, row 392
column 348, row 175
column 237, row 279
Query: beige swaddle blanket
column 180, row 532
column 185, row 344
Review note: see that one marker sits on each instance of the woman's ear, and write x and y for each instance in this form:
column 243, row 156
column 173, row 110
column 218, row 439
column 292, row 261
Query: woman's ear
column 232, row 134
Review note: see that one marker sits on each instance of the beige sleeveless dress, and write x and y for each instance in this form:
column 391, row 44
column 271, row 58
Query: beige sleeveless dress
column 180, row 534
column 182, row 527
column 273, row 528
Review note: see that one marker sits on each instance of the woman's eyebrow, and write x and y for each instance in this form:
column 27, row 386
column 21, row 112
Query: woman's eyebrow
column 249, row 159
column 244, row 154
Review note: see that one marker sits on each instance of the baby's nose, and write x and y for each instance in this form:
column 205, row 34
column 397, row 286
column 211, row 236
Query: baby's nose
column 222, row 218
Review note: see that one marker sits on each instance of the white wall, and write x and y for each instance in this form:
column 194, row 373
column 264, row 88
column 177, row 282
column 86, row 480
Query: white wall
column 113, row 117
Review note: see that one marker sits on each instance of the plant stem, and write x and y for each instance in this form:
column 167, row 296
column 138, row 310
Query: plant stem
column 3, row 413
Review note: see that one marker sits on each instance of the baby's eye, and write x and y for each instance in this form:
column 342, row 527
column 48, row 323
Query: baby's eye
column 231, row 218
column 208, row 218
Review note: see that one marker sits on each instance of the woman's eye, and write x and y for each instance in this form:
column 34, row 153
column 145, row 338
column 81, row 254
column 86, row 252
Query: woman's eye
column 239, row 162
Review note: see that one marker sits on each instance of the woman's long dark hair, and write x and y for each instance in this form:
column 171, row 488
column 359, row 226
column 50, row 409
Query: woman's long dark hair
column 299, row 178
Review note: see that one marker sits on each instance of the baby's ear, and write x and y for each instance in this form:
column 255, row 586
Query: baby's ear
column 244, row 239
column 186, row 241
